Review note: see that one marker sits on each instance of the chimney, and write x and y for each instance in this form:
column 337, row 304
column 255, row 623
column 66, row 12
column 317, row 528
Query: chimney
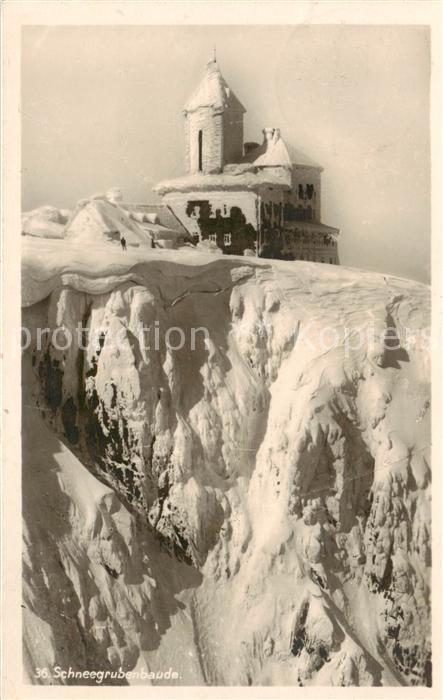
column 268, row 133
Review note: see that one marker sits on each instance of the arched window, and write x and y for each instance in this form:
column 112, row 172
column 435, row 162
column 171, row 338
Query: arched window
column 200, row 150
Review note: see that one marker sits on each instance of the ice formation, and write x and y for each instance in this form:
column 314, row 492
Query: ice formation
column 255, row 511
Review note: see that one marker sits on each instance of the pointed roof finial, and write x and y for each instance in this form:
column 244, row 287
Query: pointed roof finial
column 215, row 55
column 213, row 91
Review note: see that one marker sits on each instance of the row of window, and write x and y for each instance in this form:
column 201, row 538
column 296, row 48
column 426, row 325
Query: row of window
column 195, row 213
column 304, row 213
column 309, row 193
column 227, row 238
column 307, row 239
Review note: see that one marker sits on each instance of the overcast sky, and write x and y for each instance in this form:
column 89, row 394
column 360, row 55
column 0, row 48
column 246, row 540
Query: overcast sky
column 101, row 107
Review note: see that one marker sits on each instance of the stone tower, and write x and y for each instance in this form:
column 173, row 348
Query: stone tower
column 213, row 124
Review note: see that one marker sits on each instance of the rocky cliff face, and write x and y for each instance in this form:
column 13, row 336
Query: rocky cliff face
column 251, row 511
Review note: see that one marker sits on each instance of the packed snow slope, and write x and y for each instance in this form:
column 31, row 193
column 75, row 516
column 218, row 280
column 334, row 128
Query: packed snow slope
column 255, row 510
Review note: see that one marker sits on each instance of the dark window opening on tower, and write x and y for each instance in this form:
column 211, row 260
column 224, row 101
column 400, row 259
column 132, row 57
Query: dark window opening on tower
column 200, row 151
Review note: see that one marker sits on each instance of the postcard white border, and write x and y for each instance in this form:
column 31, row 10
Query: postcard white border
column 173, row 12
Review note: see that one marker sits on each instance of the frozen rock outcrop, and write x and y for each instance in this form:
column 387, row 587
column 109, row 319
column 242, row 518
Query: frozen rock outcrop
column 258, row 499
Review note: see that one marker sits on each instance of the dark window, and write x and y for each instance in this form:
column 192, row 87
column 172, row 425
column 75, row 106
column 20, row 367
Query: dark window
column 300, row 191
column 200, row 150
column 310, row 191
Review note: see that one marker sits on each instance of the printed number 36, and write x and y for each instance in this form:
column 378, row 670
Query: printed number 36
column 41, row 672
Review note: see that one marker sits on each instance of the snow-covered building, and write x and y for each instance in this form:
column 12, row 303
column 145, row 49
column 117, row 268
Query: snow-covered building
column 106, row 218
column 245, row 195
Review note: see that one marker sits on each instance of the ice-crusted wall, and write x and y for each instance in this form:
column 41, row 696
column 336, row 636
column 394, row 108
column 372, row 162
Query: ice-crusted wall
column 262, row 502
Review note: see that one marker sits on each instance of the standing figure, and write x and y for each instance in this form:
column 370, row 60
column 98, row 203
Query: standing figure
column 123, row 242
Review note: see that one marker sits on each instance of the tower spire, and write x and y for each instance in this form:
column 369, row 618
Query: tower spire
column 215, row 55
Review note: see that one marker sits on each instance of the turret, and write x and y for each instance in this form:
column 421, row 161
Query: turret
column 213, row 124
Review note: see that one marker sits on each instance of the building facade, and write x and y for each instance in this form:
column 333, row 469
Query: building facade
column 262, row 199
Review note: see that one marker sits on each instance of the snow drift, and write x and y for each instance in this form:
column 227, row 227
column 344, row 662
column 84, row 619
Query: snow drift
column 45, row 222
column 102, row 219
column 254, row 511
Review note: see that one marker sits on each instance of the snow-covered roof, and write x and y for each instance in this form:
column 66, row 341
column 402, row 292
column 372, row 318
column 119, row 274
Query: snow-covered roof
column 277, row 152
column 311, row 227
column 101, row 220
column 163, row 215
column 214, row 92
column 234, row 178
column 300, row 158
